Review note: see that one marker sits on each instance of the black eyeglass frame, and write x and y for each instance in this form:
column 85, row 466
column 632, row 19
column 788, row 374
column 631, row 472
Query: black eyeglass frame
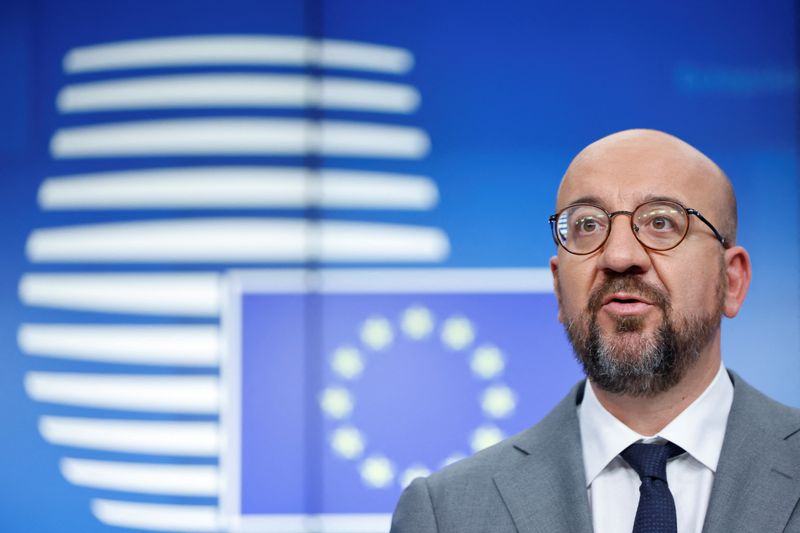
column 553, row 219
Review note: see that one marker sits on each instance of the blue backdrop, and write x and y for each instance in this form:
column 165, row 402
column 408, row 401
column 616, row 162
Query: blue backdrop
column 491, row 100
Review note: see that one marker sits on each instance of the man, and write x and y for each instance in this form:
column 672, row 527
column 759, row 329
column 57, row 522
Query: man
column 660, row 437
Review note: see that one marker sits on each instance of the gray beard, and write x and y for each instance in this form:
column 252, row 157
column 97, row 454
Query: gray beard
column 628, row 361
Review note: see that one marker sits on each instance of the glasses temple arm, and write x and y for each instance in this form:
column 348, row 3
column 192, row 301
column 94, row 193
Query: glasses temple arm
column 720, row 238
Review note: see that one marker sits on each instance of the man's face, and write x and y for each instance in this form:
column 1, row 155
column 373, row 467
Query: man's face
column 637, row 318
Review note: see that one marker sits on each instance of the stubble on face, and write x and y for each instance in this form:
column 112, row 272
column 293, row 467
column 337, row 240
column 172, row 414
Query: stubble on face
column 629, row 360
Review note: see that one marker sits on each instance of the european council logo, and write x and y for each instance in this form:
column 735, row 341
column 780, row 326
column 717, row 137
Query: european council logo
column 188, row 393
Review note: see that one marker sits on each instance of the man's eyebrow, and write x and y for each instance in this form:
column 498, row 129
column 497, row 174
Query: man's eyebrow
column 594, row 200
column 661, row 198
column 586, row 200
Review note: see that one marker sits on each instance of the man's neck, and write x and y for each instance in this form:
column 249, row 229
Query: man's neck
column 649, row 415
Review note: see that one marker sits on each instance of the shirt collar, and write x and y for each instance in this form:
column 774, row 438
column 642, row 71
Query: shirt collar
column 699, row 429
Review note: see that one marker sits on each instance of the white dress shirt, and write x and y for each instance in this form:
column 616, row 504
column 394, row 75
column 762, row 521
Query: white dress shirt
column 613, row 486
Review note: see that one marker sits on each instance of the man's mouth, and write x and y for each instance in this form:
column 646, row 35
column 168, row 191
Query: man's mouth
column 625, row 304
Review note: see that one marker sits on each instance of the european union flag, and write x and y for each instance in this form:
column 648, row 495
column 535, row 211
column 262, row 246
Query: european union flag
column 345, row 393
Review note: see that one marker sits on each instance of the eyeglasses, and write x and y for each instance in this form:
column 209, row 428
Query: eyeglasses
column 658, row 225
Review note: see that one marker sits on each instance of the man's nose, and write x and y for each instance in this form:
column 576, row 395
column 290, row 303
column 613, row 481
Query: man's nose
column 622, row 251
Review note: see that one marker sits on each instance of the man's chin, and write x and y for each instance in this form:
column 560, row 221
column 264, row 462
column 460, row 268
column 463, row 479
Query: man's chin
column 626, row 328
column 627, row 347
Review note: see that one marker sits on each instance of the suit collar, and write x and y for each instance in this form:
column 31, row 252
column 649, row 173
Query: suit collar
column 546, row 490
column 757, row 484
column 699, row 429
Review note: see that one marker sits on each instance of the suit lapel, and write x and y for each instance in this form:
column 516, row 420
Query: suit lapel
column 545, row 491
column 757, row 483
column 756, row 486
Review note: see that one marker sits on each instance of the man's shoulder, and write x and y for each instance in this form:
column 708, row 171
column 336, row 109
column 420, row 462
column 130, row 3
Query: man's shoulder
column 762, row 411
column 755, row 483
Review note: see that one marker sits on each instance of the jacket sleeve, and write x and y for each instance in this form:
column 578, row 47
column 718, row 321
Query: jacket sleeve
column 414, row 512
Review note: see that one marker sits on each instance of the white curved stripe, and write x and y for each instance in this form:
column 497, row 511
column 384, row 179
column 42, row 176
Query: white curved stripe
column 237, row 50
column 347, row 189
column 156, row 516
column 355, row 523
column 356, row 139
column 360, row 56
column 239, row 136
column 192, row 439
column 149, row 478
column 180, row 294
column 439, row 280
column 342, row 93
column 237, row 187
column 237, row 90
column 380, row 242
column 236, row 240
column 170, row 394
column 174, row 345
column 320, row 523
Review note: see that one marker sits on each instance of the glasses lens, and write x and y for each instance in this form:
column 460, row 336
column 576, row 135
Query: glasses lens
column 660, row 225
column 581, row 229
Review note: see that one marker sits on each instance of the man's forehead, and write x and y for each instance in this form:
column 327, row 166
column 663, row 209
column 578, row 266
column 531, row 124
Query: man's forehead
column 628, row 168
column 625, row 191
column 630, row 201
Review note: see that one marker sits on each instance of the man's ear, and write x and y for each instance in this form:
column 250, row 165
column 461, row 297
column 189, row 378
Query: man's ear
column 738, row 272
column 556, row 287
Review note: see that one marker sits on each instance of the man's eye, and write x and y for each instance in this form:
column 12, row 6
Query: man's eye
column 662, row 224
column 587, row 225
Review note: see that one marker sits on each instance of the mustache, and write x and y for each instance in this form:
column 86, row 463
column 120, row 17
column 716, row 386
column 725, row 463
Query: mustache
column 628, row 283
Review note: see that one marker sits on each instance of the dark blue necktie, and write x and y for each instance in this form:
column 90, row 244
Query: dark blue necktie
column 656, row 511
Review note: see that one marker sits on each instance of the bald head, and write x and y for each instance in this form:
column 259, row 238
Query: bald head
column 634, row 158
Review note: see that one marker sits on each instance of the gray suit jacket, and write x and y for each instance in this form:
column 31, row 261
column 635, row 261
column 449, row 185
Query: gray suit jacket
column 534, row 482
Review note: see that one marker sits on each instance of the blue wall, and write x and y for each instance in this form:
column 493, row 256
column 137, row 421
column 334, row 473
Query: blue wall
column 510, row 91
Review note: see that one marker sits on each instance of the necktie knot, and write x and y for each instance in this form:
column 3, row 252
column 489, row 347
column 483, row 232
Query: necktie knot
column 650, row 460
